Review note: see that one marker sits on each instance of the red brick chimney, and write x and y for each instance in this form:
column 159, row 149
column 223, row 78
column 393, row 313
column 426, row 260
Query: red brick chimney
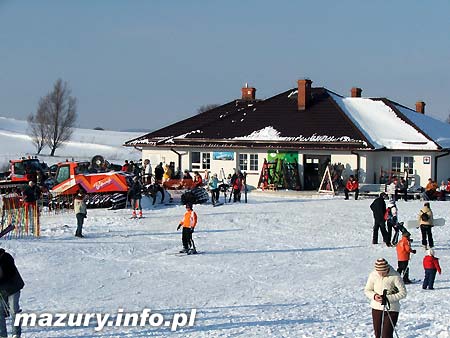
column 420, row 107
column 248, row 93
column 304, row 94
column 356, row 92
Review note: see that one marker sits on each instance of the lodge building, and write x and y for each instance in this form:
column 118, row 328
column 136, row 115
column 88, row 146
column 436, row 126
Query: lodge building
column 306, row 128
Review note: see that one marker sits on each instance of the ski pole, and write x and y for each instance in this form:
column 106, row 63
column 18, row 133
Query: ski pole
column 193, row 244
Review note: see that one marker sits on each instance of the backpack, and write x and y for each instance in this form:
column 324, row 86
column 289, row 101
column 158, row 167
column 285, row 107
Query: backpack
column 424, row 217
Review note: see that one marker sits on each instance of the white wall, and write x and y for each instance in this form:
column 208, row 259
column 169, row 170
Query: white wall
column 370, row 163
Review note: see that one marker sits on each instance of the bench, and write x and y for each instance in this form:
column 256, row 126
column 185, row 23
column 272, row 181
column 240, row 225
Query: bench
column 371, row 189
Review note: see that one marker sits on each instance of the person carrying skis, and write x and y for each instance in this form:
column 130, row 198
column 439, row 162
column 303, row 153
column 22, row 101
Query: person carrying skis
column 384, row 286
column 135, row 196
column 188, row 223
column 404, row 251
column 80, row 208
column 10, row 285
column 431, row 266
column 378, row 208
column 425, row 219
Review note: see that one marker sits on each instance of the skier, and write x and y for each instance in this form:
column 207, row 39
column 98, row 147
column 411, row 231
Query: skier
column 188, row 223
column 236, row 181
column 10, row 285
column 404, row 251
column 159, row 172
column 214, row 188
column 378, row 208
column 30, row 195
column 391, row 217
column 431, row 266
column 384, row 286
column 425, row 219
column 80, row 208
column 352, row 186
column 135, row 196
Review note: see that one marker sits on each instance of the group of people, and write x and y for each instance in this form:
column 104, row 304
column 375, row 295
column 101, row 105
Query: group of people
column 385, row 285
column 435, row 192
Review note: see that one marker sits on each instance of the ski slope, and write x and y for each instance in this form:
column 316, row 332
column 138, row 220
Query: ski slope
column 275, row 267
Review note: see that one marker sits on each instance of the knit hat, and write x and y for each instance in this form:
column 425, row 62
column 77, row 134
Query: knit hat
column 381, row 265
column 430, row 252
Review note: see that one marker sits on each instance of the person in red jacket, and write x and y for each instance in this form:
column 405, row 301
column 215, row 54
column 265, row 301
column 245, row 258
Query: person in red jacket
column 404, row 251
column 352, row 186
column 431, row 266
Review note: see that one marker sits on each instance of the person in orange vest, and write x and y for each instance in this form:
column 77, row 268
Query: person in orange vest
column 188, row 223
column 404, row 251
column 352, row 186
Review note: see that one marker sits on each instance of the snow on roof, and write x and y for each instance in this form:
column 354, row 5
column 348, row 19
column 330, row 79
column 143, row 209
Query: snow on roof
column 381, row 125
column 439, row 131
column 271, row 134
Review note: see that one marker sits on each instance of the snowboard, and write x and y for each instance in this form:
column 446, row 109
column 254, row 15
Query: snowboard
column 414, row 223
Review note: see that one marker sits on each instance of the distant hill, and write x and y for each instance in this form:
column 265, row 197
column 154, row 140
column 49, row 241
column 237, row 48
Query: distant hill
column 85, row 143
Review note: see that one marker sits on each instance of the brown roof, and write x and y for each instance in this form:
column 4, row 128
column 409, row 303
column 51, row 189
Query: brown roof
column 321, row 125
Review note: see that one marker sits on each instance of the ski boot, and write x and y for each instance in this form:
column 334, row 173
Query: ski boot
column 184, row 250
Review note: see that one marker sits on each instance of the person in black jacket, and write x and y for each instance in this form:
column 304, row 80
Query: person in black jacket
column 10, row 285
column 378, row 207
column 159, row 172
column 135, row 196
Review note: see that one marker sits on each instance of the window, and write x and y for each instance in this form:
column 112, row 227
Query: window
column 396, row 163
column 206, row 160
column 245, row 164
column 63, row 174
column 254, row 162
column 195, row 160
column 408, row 164
column 200, row 160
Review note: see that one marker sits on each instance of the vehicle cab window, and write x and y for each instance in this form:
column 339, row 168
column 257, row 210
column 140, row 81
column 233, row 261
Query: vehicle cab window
column 63, row 174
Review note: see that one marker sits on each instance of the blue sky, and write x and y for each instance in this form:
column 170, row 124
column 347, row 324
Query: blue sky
column 145, row 64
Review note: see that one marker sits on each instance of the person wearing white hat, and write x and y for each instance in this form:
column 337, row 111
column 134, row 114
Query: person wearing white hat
column 384, row 286
column 431, row 266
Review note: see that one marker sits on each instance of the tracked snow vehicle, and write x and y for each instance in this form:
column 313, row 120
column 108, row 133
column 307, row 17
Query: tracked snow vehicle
column 104, row 189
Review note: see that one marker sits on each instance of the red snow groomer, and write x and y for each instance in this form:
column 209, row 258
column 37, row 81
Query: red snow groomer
column 104, row 187
column 20, row 173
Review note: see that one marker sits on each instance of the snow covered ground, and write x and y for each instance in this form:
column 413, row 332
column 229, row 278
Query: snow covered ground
column 275, row 267
column 279, row 266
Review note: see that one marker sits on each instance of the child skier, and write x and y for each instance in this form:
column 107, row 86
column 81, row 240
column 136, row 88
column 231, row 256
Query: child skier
column 188, row 223
column 431, row 266
column 403, row 254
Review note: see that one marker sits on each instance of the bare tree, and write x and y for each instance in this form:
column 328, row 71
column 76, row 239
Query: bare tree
column 59, row 110
column 448, row 118
column 36, row 130
column 206, row 107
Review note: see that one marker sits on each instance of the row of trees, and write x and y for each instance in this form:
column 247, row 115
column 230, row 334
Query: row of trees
column 55, row 118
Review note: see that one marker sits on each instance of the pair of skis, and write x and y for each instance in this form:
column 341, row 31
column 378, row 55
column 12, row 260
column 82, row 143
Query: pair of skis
column 6, row 230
